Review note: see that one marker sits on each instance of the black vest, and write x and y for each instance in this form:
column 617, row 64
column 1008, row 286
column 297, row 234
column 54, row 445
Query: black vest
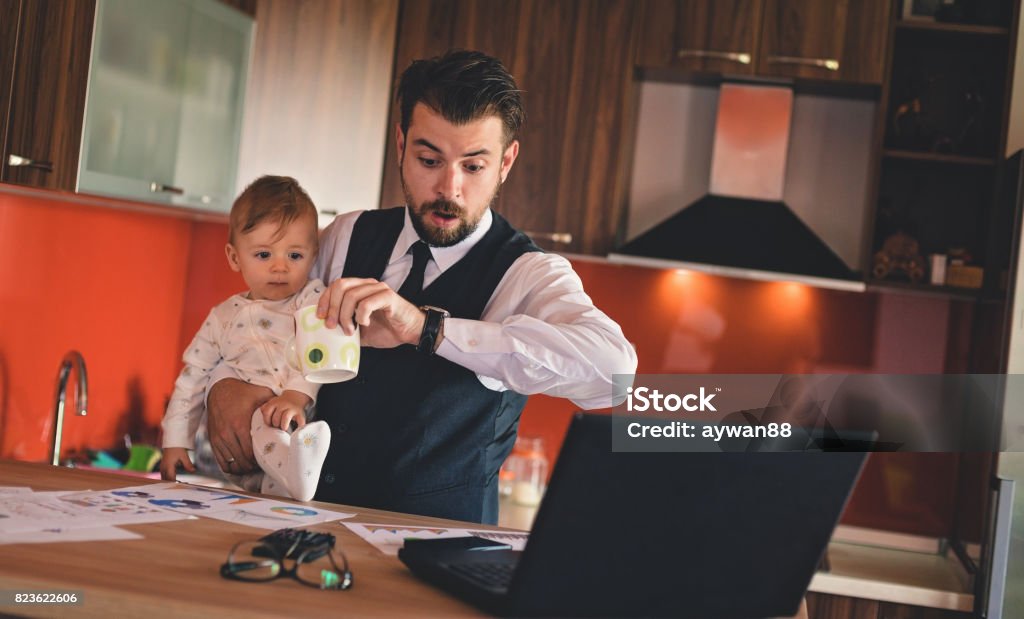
column 416, row 433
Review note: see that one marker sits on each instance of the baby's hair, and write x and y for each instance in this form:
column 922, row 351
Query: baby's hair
column 269, row 198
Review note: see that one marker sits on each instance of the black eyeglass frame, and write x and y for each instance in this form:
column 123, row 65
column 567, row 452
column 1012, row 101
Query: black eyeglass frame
column 231, row 569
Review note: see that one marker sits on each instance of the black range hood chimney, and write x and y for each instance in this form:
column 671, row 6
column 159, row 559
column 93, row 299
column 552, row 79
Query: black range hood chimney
column 742, row 228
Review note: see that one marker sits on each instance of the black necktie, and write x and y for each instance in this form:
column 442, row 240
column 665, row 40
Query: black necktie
column 413, row 284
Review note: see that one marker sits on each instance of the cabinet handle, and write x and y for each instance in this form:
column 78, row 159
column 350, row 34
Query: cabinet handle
column 17, row 161
column 825, row 63
column 161, row 188
column 554, row 237
column 740, row 57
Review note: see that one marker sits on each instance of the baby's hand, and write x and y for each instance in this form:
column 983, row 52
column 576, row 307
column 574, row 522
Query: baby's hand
column 169, row 464
column 280, row 411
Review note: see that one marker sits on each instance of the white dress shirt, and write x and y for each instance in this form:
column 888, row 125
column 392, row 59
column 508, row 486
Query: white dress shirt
column 539, row 333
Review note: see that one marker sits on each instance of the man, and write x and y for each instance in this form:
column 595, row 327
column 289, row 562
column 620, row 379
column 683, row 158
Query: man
column 481, row 316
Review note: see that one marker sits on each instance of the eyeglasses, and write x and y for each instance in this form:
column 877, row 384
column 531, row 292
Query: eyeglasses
column 316, row 566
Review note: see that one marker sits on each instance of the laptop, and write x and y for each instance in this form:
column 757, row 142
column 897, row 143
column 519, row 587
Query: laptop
column 659, row 534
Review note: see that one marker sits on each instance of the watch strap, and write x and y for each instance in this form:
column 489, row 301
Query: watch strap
column 432, row 326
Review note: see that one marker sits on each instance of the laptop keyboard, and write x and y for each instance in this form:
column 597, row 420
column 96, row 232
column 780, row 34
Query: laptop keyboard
column 493, row 575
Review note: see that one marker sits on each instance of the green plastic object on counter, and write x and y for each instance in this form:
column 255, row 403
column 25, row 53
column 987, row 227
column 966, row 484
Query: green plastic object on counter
column 103, row 460
column 142, row 458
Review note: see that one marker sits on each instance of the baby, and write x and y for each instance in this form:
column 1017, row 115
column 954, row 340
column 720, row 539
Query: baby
column 273, row 243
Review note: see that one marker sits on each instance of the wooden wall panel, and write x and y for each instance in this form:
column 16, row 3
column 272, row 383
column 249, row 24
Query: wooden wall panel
column 424, row 31
column 573, row 60
column 488, row 26
column 864, row 52
column 543, row 66
column 317, row 100
column 593, row 187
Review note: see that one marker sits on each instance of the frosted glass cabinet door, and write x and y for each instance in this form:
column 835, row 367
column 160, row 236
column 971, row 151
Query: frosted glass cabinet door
column 164, row 106
column 133, row 106
column 210, row 127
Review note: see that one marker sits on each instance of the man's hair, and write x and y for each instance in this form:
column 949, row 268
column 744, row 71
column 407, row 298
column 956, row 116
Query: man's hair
column 269, row 198
column 462, row 86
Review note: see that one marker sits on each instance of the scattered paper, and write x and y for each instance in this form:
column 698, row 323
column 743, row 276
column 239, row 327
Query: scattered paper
column 388, row 538
column 229, row 506
column 74, row 510
column 15, row 490
column 93, row 534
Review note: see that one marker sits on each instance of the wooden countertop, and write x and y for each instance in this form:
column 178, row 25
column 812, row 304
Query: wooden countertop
column 174, row 570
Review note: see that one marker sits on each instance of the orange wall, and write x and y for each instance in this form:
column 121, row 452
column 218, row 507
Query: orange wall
column 208, row 279
column 109, row 283
column 126, row 289
column 686, row 322
column 130, row 289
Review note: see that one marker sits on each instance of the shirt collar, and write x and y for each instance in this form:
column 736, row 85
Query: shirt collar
column 445, row 257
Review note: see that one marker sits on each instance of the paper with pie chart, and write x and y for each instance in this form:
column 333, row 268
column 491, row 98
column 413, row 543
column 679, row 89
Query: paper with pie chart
column 35, row 511
column 225, row 505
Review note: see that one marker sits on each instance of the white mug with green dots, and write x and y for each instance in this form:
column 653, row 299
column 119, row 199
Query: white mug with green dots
column 322, row 355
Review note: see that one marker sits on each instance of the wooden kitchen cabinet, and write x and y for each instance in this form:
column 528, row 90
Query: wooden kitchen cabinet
column 841, row 41
column 46, row 61
column 823, row 606
column 135, row 137
column 10, row 18
column 700, row 35
column 573, row 60
column 888, row 610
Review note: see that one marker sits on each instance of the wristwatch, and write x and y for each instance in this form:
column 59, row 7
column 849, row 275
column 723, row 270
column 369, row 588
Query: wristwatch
column 433, row 328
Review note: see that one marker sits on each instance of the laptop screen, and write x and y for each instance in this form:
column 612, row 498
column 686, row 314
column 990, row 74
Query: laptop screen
column 680, row 534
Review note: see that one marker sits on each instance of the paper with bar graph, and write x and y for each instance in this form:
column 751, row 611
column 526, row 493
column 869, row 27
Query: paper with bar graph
column 388, row 538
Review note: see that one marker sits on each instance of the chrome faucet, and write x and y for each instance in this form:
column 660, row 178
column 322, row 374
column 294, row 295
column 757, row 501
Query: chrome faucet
column 72, row 360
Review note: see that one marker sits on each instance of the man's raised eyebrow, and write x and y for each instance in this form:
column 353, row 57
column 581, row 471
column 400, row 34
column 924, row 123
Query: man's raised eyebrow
column 476, row 153
column 422, row 142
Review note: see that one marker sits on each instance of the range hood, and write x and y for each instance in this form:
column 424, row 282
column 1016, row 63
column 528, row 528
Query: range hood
column 742, row 228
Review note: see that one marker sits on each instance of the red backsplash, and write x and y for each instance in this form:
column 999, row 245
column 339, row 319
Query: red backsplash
column 687, row 322
column 108, row 283
column 130, row 289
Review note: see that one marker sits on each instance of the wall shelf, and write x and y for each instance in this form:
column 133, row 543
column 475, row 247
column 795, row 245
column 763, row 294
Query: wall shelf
column 938, row 157
column 935, row 26
column 943, row 132
column 923, row 289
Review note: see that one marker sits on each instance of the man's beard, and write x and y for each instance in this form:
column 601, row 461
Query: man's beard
column 443, row 237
